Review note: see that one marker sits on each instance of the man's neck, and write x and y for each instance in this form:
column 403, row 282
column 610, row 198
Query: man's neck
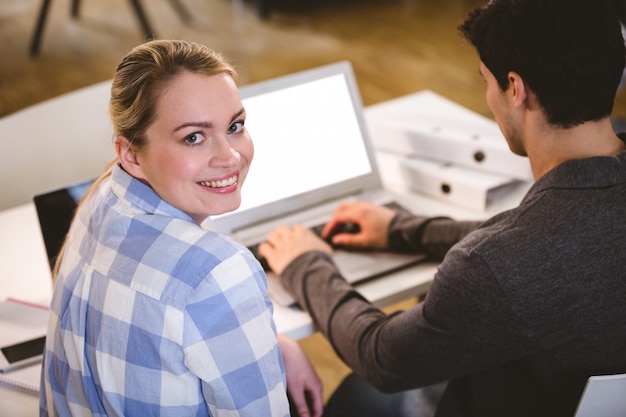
column 548, row 146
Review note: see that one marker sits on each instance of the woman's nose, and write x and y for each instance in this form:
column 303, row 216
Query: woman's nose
column 223, row 154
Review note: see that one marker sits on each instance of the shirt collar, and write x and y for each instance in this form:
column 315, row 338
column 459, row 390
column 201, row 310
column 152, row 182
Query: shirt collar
column 595, row 172
column 141, row 195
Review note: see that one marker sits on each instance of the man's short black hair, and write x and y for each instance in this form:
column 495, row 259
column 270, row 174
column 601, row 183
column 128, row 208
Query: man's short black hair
column 570, row 53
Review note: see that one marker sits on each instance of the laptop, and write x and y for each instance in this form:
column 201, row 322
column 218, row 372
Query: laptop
column 312, row 151
column 55, row 210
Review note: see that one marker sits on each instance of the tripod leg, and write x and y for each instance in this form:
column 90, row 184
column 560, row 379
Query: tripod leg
column 75, row 7
column 41, row 21
column 147, row 29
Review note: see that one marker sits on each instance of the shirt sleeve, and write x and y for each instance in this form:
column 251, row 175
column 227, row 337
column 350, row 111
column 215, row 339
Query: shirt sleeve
column 433, row 236
column 449, row 335
column 231, row 343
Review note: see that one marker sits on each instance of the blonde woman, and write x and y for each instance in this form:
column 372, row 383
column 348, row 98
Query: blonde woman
column 151, row 313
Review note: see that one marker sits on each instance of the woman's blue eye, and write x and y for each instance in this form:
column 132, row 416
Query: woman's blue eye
column 235, row 127
column 194, row 138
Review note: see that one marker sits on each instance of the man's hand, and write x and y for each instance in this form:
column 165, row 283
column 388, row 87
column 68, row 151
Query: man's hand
column 373, row 222
column 285, row 244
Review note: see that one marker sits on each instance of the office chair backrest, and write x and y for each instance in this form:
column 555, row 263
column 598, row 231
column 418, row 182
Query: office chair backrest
column 604, row 396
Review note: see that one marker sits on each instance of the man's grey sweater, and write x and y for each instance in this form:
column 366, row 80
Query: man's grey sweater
column 521, row 312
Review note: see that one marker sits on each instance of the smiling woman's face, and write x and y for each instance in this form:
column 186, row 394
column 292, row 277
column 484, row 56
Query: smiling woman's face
column 198, row 151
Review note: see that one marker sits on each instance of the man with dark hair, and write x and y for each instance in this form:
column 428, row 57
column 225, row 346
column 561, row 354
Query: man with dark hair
column 527, row 305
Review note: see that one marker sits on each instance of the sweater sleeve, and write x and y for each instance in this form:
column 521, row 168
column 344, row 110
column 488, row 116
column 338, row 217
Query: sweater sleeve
column 449, row 335
column 433, row 236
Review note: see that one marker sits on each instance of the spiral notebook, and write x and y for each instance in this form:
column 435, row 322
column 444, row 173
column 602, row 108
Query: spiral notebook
column 25, row 379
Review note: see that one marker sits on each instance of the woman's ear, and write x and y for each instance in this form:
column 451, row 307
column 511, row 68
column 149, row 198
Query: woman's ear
column 127, row 155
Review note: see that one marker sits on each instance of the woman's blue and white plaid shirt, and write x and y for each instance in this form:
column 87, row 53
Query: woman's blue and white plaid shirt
column 154, row 316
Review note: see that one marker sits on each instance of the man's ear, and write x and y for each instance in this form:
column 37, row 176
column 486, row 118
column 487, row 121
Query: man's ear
column 517, row 88
column 127, row 156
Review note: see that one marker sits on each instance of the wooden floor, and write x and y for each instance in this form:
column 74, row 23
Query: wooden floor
column 396, row 46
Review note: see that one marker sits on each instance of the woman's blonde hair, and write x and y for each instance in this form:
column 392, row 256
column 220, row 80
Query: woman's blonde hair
column 138, row 82
column 141, row 75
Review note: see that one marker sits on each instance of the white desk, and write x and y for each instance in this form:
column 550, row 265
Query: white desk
column 25, row 274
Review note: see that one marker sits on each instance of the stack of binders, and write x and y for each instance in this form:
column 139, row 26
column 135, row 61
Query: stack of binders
column 447, row 151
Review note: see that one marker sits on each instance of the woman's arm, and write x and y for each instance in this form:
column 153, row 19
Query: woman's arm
column 303, row 384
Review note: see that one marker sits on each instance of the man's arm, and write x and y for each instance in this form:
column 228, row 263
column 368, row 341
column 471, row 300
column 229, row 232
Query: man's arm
column 433, row 236
column 448, row 335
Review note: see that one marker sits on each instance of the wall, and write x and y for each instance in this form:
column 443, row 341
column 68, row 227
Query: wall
column 55, row 143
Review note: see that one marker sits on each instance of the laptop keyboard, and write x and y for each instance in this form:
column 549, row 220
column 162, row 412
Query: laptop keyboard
column 317, row 229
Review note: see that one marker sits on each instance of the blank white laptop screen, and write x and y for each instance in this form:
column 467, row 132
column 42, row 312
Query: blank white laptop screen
column 310, row 145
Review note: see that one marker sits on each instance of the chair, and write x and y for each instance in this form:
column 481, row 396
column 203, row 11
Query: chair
column 137, row 7
column 604, row 396
column 263, row 8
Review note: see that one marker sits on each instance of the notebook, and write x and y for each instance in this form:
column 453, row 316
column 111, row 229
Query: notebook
column 312, row 151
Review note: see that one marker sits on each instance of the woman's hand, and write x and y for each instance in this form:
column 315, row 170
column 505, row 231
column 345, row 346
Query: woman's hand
column 303, row 384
